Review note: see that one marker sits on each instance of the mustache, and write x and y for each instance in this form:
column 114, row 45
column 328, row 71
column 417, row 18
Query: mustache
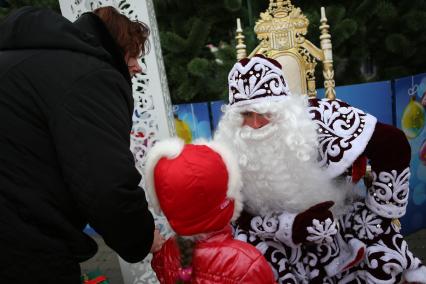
column 250, row 134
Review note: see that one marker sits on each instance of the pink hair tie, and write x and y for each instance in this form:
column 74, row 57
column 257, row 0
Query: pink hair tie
column 185, row 274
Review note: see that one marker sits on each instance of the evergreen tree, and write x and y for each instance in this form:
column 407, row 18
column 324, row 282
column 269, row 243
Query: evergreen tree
column 196, row 37
column 372, row 40
column 6, row 6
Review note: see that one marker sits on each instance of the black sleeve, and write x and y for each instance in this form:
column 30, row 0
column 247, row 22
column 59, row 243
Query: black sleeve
column 91, row 131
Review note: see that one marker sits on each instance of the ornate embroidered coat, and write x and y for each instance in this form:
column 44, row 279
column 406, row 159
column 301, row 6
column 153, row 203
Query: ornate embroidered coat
column 368, row 247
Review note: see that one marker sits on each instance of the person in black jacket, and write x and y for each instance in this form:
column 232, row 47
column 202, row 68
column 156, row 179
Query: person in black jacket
column 65, row 118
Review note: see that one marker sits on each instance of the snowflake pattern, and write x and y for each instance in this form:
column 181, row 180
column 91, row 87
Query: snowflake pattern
column 367, row 225
column 387, row 255
column 322, row 232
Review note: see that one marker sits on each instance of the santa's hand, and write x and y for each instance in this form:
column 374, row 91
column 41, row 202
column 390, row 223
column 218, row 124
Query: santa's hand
column 315, row 225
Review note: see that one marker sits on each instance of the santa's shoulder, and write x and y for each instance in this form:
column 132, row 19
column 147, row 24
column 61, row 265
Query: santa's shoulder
column 343, row 133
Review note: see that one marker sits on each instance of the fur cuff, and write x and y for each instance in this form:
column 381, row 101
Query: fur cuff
column 388, row 196
column 284, row 233
column 416, row 275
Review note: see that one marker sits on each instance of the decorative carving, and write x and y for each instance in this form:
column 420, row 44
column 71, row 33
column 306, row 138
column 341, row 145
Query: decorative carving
column 281, row 40
column 283, row 23
column 329, row 84
column 167, row 102
column 328, row 71
column 310, row 63
column 306, row 55
column 241, row 47
column 281, row 30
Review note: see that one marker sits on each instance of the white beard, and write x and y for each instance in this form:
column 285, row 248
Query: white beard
column 278, row 161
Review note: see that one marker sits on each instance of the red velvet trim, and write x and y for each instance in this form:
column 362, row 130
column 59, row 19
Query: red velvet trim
column 388, row 149
column 359, row 168
column 359, row 256
column 97, row 280
column 246, row 60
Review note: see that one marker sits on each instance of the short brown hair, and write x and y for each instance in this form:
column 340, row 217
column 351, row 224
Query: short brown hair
column 131, row 36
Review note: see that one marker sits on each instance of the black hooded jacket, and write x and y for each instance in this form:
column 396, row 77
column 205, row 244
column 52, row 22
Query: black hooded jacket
column 65, row 119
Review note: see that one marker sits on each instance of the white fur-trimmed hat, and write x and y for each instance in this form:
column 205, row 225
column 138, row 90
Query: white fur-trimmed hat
column 256, row 79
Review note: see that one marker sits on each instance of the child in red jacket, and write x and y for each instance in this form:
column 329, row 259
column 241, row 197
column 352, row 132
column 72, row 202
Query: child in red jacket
column 197, row 187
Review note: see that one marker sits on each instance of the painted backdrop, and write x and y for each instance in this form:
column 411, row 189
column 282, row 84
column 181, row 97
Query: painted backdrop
column 410, row 101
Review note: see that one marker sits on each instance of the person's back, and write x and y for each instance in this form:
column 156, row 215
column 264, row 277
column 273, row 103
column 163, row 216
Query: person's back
column 65, row 119
column 221, row 259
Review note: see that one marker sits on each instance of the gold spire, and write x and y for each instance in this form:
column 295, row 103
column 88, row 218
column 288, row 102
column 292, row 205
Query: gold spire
column 328, row 72
column 241, row 47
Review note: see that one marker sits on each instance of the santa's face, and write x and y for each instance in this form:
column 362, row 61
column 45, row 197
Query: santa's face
column 255, row 120
column 276, row 147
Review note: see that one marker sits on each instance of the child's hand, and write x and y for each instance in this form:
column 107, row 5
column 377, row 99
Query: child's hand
column 158, row 241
